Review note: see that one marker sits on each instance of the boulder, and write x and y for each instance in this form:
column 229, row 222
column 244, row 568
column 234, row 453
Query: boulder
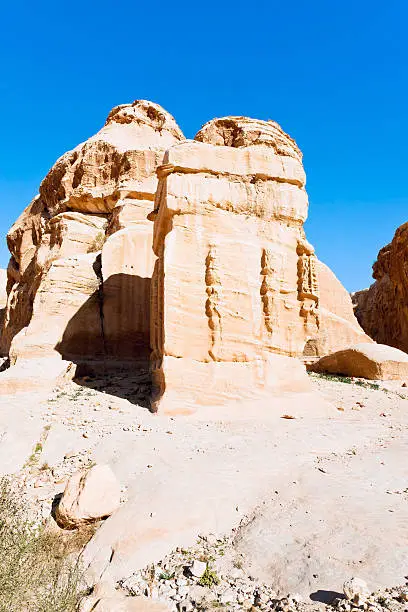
column 356, row 591
column 372, row 361
column 89, row 496
column 382, row 309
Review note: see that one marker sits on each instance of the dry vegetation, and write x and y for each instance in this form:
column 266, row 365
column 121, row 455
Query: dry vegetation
column 39, row 568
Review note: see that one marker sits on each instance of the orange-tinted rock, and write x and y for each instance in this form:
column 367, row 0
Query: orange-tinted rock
column 55, row 282
column 235, row 293
column 372, row 361
column 382, row 310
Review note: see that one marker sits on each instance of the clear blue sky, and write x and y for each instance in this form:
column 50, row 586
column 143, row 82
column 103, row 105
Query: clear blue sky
column 333, row 73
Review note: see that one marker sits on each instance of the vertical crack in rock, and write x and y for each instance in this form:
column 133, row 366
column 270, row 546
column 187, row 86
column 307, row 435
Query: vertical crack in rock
column 213, row 290
column 98, row 271
column 266, row 288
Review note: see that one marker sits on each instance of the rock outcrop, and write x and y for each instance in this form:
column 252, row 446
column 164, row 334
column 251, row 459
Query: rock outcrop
column 89, row 496
column 339, row 327
column 76, row 286
column 3, row 294
column 382, row 310
column 372, row 361
column 230, row 243
column 228, row 296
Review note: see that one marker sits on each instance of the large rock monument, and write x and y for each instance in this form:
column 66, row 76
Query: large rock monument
column 185, row 257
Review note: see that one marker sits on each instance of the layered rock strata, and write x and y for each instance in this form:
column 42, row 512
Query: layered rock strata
column 228, row 296
column 382, row 309
column 234, row 267
column 79, row 275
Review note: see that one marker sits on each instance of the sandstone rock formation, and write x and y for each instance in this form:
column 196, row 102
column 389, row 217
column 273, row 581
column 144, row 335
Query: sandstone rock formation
column 228, row 296
column 89, row 496
column 62, row 290
column 382, row 310
column 230, row 243
column 372, row 361
column 339, row 327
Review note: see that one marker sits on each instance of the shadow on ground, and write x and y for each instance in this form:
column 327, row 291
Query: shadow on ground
column 108, row 339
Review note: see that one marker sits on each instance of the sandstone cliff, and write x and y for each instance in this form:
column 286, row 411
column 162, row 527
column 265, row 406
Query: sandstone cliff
column 382, row 310
column 230, row 243
column 231, row 291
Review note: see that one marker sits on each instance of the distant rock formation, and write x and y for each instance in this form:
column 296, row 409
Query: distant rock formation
column 230, row 292
column 382, row 309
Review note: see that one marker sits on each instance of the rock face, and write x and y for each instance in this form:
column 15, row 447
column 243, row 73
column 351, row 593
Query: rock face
column 90, row 495
column 382, row 310
column 229, row 239
column 372, row 361
column 3, row 288
column 3, row 294
column 228, row 296
column 339, row 327
column 76, row 286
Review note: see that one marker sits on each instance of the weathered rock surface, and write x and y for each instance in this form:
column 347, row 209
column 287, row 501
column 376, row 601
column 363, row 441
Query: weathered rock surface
column 372, row 361
column 90, row 495
column 230, row 243
column 3, row 295
column 228, row 296
column 382, row 309
column 356, row 591
column 57, row 279
column 339, row 327
column 3, row 288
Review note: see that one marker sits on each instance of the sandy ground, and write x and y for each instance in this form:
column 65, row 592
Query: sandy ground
column 317, row 498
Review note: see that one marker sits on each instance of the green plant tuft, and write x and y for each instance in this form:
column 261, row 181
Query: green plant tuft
column 209, row 578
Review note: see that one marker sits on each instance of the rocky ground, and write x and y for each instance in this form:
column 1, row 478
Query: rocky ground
column 293, row 499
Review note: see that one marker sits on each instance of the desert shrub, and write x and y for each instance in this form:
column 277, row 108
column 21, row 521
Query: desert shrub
column 332, row 377
column 39, row 569
column 209, row 578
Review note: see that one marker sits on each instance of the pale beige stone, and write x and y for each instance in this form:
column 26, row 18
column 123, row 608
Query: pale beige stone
column 372, row 361
column 234, row 266
column 66, row 313
column 90, row 495
column 339, row 327
column 356, row 591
